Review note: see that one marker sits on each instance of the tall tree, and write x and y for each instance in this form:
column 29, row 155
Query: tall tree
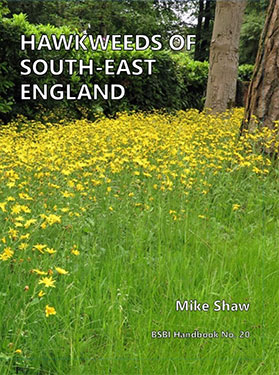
column 263, row 94
column 205, row 16
column 199, row 31
column 223, row 61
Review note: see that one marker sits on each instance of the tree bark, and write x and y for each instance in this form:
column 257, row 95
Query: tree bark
column 223, row 61
column 263, row 94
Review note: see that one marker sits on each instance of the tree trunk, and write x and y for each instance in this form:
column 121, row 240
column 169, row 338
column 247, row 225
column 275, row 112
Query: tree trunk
column 223, row 61
column 199, row 32
column 263, row 94
column 207, row 17
column 207, row 29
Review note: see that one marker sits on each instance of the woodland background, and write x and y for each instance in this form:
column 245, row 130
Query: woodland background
column 180, row 78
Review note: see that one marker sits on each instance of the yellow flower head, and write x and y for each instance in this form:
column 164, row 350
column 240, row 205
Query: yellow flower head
column 49, row 311
column 48, row 281
column 50, row 251
column 10, row 199
column 25, row 236
column 52, row 219
column 61, row 271
column 13, row 233
column 38, row 272
column 41, row 293
column 29, row 222
column 236, row 207
column 75, row 251
column 22, row 246
column 6, row 254
column 39, row 247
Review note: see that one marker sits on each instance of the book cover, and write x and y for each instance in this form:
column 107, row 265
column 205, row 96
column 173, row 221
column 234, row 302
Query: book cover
column 138, row 187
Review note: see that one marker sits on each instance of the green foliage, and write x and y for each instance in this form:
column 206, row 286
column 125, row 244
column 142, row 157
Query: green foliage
column 177, row 81
column 10, row 57
column 105, row 16
column 167, row 87
column 192, row 79
column 3, row 8
column 245, row 72
column 251, row 30
column 6, row 101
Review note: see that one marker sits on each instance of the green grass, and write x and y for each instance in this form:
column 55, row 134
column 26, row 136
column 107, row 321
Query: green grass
column 134, row 264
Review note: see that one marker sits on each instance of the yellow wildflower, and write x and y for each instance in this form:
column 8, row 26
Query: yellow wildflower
column 38, row 272
column 50, row 251
column 236, row 207
column 29, row 222
column 41, row 293
column 51, row 219
column 25, row 209
column 25, row 236
column 25, row 196
column 39, row 247
column 43, row 225
column 10, row 199
column 61, row 271
column 13, row 233
column 22, row 246
column 49, row 311
column 6, row 254
column 48, row 281
column 3, row 206
column 19, row 218
column 75, row 252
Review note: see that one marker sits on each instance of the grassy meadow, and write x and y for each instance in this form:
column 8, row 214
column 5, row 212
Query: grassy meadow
column 105, row 224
